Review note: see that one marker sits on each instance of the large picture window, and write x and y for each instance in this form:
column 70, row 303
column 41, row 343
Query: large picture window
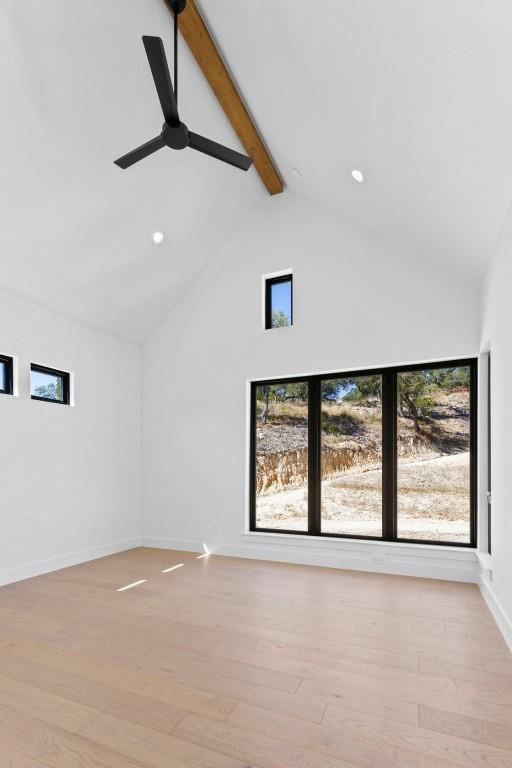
column 384, row 454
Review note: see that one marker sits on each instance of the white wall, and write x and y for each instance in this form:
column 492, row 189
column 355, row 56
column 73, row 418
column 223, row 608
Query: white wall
column 69, row 476
column 357, row 302
column 496, row 336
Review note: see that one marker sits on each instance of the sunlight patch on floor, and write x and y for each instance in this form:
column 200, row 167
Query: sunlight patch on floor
column 173, row 568
column 129, row 586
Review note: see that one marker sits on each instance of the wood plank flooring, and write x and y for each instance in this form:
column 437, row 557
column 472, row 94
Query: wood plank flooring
column 228, row 663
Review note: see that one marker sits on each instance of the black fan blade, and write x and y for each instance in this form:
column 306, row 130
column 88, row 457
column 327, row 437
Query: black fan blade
column 160, row 71
column 219, row 151
column 141, row 152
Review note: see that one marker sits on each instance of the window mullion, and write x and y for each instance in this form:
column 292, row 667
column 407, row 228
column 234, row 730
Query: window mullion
column 389, row 454
column 314, row 503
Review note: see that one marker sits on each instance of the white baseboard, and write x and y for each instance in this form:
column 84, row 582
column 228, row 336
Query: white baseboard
column 29, row 570
column 378, row 557
column 452, row 563
column 495, row 607
column 180, row 545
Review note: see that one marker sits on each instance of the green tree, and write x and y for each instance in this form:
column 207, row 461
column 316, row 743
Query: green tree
column 330, row 389
column 280, row 393
column 294, row 391
column 53, row 391
column 265, row 396
column 364, row 388
column 279, row 318
column 415, row 391
column 450, row 378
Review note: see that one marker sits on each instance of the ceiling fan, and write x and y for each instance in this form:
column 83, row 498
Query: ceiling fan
column 175, row 134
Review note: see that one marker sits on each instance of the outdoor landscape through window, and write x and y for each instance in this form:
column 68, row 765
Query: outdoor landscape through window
column 433, row 476
column 386, row 454
column 282, row 456
column 351, row 455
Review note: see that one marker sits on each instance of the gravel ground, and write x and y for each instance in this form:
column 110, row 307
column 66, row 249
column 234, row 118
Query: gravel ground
column 434, row 502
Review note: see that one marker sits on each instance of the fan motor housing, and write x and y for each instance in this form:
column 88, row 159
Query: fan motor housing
column 177, row 6
column 175, row 136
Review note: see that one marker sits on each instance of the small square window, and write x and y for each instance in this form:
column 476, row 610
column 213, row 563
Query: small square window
column 49, row 385
column 6, row 375
column 279, row 301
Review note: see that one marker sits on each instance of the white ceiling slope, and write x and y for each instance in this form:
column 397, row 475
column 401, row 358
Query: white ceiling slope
column 416, row 93
column 75, row 230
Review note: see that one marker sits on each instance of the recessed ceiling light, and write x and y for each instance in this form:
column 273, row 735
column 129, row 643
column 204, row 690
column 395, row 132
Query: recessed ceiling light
column 158, row 237
column 357, row 175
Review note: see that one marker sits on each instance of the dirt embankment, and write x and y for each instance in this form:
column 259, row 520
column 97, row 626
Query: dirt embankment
column 352, row 443
column 285, row 469
column 282, row 457
column 349, row 455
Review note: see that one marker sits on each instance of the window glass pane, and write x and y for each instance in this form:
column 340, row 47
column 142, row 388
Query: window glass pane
column 351, row 456
column 3, row 375
column 282, row 456
column 281, row 303
column 433, row 489
column 47, row 385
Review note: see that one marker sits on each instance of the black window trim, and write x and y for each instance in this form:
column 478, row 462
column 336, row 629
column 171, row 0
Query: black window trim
column 389, row 452
column 64, row 375
column 269, row 282
column 9, row 369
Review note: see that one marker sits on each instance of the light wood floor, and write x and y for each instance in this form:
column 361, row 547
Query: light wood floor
column 227, row 663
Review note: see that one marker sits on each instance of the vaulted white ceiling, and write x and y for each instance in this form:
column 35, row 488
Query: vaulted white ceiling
column 76, row 231
column 416, row 93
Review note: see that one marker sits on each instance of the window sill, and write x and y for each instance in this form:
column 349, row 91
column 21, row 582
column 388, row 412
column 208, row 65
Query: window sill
column 485, row 560
column 397, row 558
column 332, row 541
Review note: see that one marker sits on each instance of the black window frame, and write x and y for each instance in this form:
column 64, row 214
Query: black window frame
column 64, row 375
column 389, row 452
column 9, row 375
column 269, row 283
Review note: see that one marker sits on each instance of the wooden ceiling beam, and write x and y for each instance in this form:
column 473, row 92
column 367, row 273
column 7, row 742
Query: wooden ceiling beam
column 199, row 40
